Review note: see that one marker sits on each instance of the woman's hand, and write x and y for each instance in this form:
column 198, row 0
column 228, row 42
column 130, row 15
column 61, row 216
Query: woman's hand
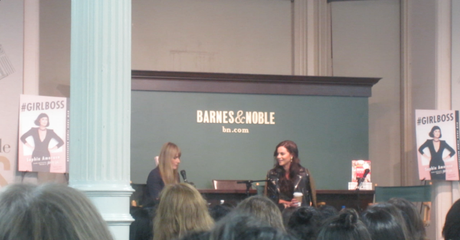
column 292, row 203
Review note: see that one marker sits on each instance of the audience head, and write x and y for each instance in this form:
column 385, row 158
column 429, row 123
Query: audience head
column 414, row 222
column 328, row 211
column 263, row 208
column 385, row 222
column 168, row 163
column 241, row 226
column 286, row 215
column 305, row 223
column 451, row 229
column 219, row 211
column 346, row 225
column 49, row 212
column 181, row 209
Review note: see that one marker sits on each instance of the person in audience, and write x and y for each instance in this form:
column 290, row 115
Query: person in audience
column 346, row 226
column 286, row 214
column 263, row 208
column 141, row 228
column 49, row 212
column 328, row 211
column 165, row 173
column 219, row 211
column 384, row 221
column 243, row 226
column 414, row 222
column 305, row 223
column 288, row 176
column 451, row 229
column 181, row 210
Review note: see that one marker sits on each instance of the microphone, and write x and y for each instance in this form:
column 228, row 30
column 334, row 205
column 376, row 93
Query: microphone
column 361, row 180
column 184, row 175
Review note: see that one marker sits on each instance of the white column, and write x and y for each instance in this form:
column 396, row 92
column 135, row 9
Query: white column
column 100, row 103
column 311, row 37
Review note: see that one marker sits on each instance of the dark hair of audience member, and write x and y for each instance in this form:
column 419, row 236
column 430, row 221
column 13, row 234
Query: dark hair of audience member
column 49, row 212
column 286, row 215
column 201, row 235
column 414, row 222
column 305, row 223
column 383, row 223
column 346, row 225
column 181, row 210
column 328, row 211
column 451, row 229
column 141, row 228
column 263, row 208
column 241, row 226
column 219, row 211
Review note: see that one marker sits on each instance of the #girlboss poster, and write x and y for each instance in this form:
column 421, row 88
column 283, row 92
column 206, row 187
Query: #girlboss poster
column 43, row 134
column 437, row 144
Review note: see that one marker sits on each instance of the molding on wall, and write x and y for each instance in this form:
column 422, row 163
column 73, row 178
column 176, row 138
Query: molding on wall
column 251, row 83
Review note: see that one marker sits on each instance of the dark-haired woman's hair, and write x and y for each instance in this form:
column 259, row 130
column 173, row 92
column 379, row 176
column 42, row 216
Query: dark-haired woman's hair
column 434, row 128
column 305, row 223
column 328, row 211
column 219, row 211
column 384, row 221
column 237, row 226
column 451, row 229
column 414, row 222
column 346, row 225
column 284, row 183
column 42, row 115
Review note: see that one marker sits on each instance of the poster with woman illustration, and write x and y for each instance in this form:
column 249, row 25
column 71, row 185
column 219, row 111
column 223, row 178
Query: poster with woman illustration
column 43, row 134
column 437, row 144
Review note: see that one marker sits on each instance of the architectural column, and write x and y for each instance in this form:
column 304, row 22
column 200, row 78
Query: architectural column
column 311, row 37
column 100, row 108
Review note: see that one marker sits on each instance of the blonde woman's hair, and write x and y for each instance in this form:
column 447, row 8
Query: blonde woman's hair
column 181, row 210
column 49, row 212
column 167, row 153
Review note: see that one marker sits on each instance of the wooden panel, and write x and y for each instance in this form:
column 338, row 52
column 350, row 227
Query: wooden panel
column 251, row 83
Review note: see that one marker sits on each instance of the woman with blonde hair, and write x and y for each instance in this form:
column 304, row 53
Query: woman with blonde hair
column 264, row 209
column 165, row 173
column 181, row 210
column 49, row 212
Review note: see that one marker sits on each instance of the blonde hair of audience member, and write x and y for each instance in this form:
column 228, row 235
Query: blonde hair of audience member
column 263, row 208
column 49, row 212
column 181, row 210
column 167, row 153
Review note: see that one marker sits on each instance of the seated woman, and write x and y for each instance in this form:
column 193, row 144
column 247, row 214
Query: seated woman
column 181, row 210
column 288, row 176
column 451, row 229
column 384, row 221
column 49, row 212
column 411, row 216
column 305, row 223
column 165, row 173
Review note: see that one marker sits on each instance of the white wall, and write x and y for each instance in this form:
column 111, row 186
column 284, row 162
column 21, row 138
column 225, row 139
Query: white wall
column 365, row 43
column 455, row 55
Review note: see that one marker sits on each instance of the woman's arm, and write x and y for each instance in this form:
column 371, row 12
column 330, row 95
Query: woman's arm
column 59, row 140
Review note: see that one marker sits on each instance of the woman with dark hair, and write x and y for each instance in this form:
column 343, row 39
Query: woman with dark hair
column 413, row 220
column 384, row 221
column 305, row 223
column 346, row 226
column 451, row 229
column 41, row 156
column 165, row 173
column 436, row 147
column 288, row 176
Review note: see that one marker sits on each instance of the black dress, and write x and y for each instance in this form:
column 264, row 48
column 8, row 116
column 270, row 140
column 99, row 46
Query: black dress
column 437, row 165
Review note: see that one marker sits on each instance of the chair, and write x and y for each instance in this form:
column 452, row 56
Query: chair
column 421, row 194
column 228, row 184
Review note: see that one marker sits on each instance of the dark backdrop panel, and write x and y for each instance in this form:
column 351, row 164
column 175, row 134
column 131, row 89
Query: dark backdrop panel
column 329, row 131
